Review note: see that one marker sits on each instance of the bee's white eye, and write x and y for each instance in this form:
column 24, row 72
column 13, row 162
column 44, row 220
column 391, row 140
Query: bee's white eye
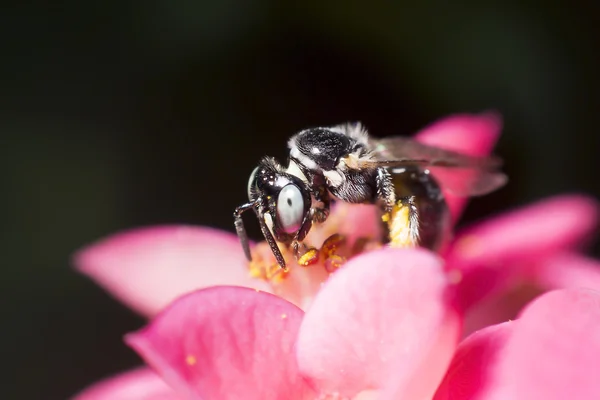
column 290, row 208
column 251, row 182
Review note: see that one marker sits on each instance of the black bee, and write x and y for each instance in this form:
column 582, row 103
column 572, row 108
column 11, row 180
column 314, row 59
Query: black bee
column 343, row 163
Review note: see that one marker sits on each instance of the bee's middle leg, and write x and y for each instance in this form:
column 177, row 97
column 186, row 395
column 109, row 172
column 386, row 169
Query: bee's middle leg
column 386, row 194
column 320, row 214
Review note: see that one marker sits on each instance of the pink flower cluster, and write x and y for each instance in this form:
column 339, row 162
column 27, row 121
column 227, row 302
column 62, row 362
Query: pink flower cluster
column 509, row 310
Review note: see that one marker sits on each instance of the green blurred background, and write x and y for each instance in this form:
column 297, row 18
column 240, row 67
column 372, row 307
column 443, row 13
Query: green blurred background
column 121, row 114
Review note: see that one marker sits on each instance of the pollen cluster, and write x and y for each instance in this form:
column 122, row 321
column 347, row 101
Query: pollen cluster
column 332, row 254
column 334, row 250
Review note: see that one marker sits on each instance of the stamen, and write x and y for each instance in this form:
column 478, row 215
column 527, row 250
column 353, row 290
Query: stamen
column 332, row 254
column 309, row 258
column 274, row 273
column 332, row 244
column 263, row 265
column 256, row 270
column 334, row 262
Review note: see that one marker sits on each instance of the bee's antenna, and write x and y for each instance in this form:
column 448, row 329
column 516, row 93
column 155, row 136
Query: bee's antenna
column 239, row 227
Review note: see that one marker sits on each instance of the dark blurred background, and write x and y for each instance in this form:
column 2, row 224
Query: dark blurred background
column 118, row 114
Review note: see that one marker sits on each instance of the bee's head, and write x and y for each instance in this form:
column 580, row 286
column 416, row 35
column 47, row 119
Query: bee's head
column 283, row 199
column 282, row 202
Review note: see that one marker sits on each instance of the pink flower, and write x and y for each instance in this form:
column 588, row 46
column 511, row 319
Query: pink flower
column 537, row 245
column 148, row 268
column 386, row 335
column 550, row 352
column 508, row 260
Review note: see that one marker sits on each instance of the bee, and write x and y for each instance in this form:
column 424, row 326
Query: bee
column 343, row 163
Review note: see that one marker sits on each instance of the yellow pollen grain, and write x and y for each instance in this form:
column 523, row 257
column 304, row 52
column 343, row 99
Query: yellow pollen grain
column 275, row 274
column 308, row 258
column 190, row 360
column 283, row 316
column 255, row 273
column 469, row 246
column 256, row 270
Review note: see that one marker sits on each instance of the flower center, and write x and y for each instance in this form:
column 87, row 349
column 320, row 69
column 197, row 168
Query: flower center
column 335, row 248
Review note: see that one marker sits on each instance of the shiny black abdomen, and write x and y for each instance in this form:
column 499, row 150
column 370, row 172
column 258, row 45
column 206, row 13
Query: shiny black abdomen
column 434, row 217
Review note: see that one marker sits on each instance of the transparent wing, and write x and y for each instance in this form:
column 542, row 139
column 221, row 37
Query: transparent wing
column 459, row 174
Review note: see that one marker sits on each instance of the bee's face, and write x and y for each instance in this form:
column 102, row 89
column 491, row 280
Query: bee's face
column 285, row 197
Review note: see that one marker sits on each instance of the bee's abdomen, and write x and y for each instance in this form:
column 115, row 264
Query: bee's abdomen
column 433, row 214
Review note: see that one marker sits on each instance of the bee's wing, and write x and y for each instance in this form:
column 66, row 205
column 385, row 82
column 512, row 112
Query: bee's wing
column 458, row 173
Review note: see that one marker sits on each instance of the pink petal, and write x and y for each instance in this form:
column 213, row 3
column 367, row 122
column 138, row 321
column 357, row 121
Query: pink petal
column 359, row 221
column 490, row 254
column 554, row 350
column 381, row 322
column 467, row 375
column 139, row 384
column 500, row 307
column 568, row 270
column 354, row 221
column 226, row 343
column 470, row 134
column 563, row 270
column 148, row 268
column 529, row 232
column 551, row 353
column 301, row 284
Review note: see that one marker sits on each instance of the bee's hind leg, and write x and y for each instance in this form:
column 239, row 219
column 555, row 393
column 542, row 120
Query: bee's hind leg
column 400, row 215
column 403, row 224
